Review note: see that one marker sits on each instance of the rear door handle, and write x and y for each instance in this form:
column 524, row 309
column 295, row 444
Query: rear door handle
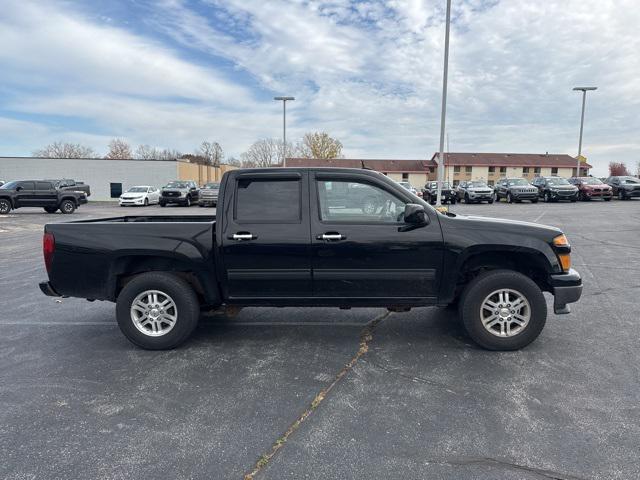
column 242, row 236
column 331, row 237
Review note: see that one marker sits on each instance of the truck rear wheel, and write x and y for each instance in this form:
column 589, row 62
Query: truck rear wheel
column 5, row 206
column 50, row 209
column 157, row 311
column 503, row 310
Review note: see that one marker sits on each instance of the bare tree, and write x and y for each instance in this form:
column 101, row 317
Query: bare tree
column 319, row 145
column 65, row 150
column 638, row 169
column 236, row 162
column 195, row 158
column 617, row 169
column 212, row 151
column 146, row 152
column 266, row 152
column 119, row 149
column 169, row 154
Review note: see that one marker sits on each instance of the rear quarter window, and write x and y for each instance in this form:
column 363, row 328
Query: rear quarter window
column 268, row 201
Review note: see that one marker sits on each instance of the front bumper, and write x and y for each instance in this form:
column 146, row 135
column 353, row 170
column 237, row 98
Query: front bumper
column 524, row 195
column 132, row 201
column 173, row 200
column 556, row 195
column 480, row 195
column 596, row 194
column 566, row 288
column 48, row 290
column 82, row 201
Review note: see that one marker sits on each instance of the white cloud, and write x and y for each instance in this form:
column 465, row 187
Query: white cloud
column 368, row 72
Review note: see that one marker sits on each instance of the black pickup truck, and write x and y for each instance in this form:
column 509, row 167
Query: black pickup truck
column 39, row 193
column 311, row 237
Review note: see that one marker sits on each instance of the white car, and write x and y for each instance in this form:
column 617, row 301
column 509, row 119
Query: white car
column 142, row 195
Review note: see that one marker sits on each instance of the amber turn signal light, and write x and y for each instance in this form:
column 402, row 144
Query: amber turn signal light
column 565, row 261
column 561, row 241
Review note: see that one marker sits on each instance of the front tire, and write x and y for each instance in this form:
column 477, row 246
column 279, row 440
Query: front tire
column 67, row 207
column 621, row 195
column 162, row 204
column 509, row 198
column 157, row 311
column 503, row 310
column 146, row 202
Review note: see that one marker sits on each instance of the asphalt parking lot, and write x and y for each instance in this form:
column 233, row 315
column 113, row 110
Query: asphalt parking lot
column 416, row 400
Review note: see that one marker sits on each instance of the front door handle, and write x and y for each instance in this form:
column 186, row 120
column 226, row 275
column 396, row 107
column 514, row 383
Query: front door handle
column 331, row 237
column 242, row 236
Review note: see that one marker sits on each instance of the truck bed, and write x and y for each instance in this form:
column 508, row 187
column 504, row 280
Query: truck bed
column 89, row 254
column 152, row 219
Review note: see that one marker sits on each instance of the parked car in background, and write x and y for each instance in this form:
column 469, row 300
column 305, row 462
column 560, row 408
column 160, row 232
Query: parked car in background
column 430, row 192
column 515, row 190
column 624, row 187
column 474, row 191
column 209, row 194
column 39, row 193
column 295, row 237
column 591, row 187
column 553, row 189
column 182, row 192
column 70, row 184
column 410, row 187
column 141, row 195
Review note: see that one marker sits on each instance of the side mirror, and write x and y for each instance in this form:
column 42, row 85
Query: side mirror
column 18, row 189
column 414, row 214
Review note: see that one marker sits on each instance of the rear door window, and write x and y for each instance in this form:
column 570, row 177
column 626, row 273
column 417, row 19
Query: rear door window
column 268, row 201
column 43, row 186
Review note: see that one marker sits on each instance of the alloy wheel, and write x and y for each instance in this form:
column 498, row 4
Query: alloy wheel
column 154, row 313
column 505, row 312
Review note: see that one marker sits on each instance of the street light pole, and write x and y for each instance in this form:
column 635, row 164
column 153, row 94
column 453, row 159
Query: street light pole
column 284, row 127
column 584, row 97
column 444, row 106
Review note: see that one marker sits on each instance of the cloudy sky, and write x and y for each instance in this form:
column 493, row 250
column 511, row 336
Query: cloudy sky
column 173, row 73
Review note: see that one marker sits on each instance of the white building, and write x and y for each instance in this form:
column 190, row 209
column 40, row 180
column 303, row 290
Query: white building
column 107, row 178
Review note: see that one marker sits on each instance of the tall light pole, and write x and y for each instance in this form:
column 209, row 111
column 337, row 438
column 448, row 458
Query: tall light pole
column 444, row 106
column 284, row 127
column 584, row 97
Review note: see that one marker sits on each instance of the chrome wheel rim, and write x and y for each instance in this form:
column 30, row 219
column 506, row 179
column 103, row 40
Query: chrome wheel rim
column 154, row 313
column 505, row 312
column 68, row 207
column 4, row 207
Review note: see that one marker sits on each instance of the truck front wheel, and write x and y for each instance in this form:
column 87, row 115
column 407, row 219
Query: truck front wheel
column 67, row 207
column 157, row 311
column 503, row 310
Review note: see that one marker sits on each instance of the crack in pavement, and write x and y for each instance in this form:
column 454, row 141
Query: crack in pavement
column 488, row 461
column 365, row 338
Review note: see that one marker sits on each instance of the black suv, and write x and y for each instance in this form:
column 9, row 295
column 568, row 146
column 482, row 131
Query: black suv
column 624, row 187
column 39, row 193
column 430, row 193
column 515, row 190
column 552, row 189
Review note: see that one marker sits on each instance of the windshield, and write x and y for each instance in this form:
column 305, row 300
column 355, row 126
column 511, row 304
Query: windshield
column 517, row 182
column 629, row 180
column 138, row 189
column 557, row 181
column 212, row 185
column 476, row 185
column 590, row 181
column 177, row 185
column 9, row 185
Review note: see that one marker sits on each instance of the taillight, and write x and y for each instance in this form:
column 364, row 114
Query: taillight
column 48, row 248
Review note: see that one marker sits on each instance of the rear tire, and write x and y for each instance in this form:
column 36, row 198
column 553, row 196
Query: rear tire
column 5, row 206
column 67, row 207
column 186, row 312
column 535, row 200
column 50, row 209
column 607, row 199
column 162, row 204
column 146, row 202
column 473, row 306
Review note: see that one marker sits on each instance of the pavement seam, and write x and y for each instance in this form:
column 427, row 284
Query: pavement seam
column 365, row 338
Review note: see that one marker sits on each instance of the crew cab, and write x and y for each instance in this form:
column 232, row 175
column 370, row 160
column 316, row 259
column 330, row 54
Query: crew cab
column 39, row 193
column 319, row 237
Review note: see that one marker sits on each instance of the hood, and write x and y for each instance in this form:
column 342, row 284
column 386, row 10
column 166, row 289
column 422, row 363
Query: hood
column 133, row 195
column 214, row 190
column 513, row 226
column 173, row 189
column 480, row 189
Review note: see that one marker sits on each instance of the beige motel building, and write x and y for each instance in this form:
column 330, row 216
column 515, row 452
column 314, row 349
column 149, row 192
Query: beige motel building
column 459, row 167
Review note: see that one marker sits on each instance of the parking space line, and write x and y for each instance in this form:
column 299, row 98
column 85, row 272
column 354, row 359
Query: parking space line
column 226, row 324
